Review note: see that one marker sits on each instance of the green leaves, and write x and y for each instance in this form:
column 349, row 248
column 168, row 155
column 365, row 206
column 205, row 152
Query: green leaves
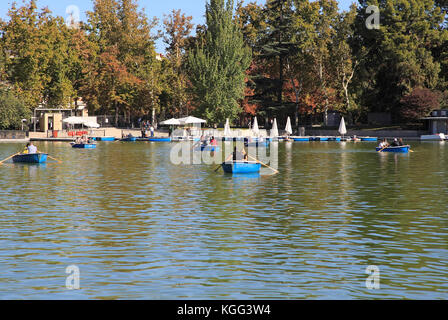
column 12, row 110
column 217, row 69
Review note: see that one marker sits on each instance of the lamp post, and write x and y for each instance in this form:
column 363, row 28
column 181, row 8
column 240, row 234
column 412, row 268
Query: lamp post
column 23, row 121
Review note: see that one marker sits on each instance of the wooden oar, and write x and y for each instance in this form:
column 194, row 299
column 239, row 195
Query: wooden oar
column 1, row 162
column 383, row 148
column 224, row 161
column 264, row 164
column 54, row 159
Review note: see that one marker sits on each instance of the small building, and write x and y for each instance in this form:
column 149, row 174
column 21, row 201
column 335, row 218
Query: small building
column 51, row 119
column 438, row 122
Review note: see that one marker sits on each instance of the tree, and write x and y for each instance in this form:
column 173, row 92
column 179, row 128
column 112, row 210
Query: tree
column 126, row 59
column 177, row 29
column 217, row 69
column 12, row 110
column 419, row 103
column 403, row 52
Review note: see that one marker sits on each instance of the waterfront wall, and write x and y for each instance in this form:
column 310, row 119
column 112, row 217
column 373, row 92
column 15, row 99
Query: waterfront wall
column 371, row 133
column 12, row 134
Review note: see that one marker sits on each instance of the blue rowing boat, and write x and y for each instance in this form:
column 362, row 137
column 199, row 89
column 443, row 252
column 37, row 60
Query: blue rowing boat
column 207, row 148
column 241, row 167
column 129, row 139
column 257, row 144
column 84, row 145
column 30, row 158
column 399, row 149
column 105, row 139
column 304, row 139
column 159, row 139
column 369, row 139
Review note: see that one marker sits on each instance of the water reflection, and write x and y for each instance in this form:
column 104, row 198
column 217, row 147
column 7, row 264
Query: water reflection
column 140, row 227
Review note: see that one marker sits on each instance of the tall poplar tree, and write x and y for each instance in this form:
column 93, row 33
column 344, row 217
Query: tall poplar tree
column 217, row 69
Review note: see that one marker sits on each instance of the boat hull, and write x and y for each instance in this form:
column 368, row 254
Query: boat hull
column 304, row 139
column 400, row 149
column 369, row 139
column 84, row 146
column 159, row 139
column 433, row 137
column 207, row 148
column 30, row 158
column 129, row 139
column 257, row 144
column 241, row 167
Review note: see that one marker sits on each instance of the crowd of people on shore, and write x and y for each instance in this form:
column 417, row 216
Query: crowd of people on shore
column 145, row 127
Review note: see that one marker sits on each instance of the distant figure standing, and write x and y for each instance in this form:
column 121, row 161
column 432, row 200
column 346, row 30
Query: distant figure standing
column 32, row 148
column 152, row 131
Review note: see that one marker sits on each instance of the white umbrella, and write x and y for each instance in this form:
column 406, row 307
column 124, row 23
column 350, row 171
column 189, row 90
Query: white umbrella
column 91, row 124
column 274, row 130
column 227, row 132
column 255, row 129
column 191, row 120
column 170, row 122
column 288, row 127
column 342, row 129
column 74, row 120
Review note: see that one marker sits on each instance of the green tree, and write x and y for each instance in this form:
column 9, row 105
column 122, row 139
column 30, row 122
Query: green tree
column 12, row 110
column 404, row 53
column 177, row 29
column 217, row 69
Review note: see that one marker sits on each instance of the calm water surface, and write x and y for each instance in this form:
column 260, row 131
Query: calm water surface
column 139, row 227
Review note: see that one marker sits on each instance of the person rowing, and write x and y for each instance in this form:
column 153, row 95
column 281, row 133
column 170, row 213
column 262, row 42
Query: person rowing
column 384, row 144
column 239, row 155
column 32, row 148
column 395, row 143
column 213, row 142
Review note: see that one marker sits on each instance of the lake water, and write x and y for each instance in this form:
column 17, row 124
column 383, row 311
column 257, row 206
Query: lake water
column 139, row 227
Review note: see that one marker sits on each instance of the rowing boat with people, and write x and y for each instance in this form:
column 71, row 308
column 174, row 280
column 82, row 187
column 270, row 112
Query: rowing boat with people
column 240, row 166
column 84, row 145
column 398, row 149
column 30, row 158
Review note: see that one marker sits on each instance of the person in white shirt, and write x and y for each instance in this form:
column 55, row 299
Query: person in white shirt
column 32, row 148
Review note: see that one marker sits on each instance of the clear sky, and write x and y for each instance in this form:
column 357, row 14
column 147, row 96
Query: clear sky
column 157, row 8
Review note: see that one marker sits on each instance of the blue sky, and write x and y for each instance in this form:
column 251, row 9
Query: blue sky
column 157, row 8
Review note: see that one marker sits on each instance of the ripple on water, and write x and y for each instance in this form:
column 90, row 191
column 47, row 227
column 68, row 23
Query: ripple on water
column 140, row 227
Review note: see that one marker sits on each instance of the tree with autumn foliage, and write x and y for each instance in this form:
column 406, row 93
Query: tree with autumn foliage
column 419, row 103
column 177, row 30
column 126, row 69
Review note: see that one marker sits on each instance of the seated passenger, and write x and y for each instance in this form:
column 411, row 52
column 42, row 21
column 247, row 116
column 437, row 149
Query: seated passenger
column 32, row 148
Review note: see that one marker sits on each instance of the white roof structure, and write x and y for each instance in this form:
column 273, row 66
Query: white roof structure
column 86, row 121
column 191, row 120
column 171, row 122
